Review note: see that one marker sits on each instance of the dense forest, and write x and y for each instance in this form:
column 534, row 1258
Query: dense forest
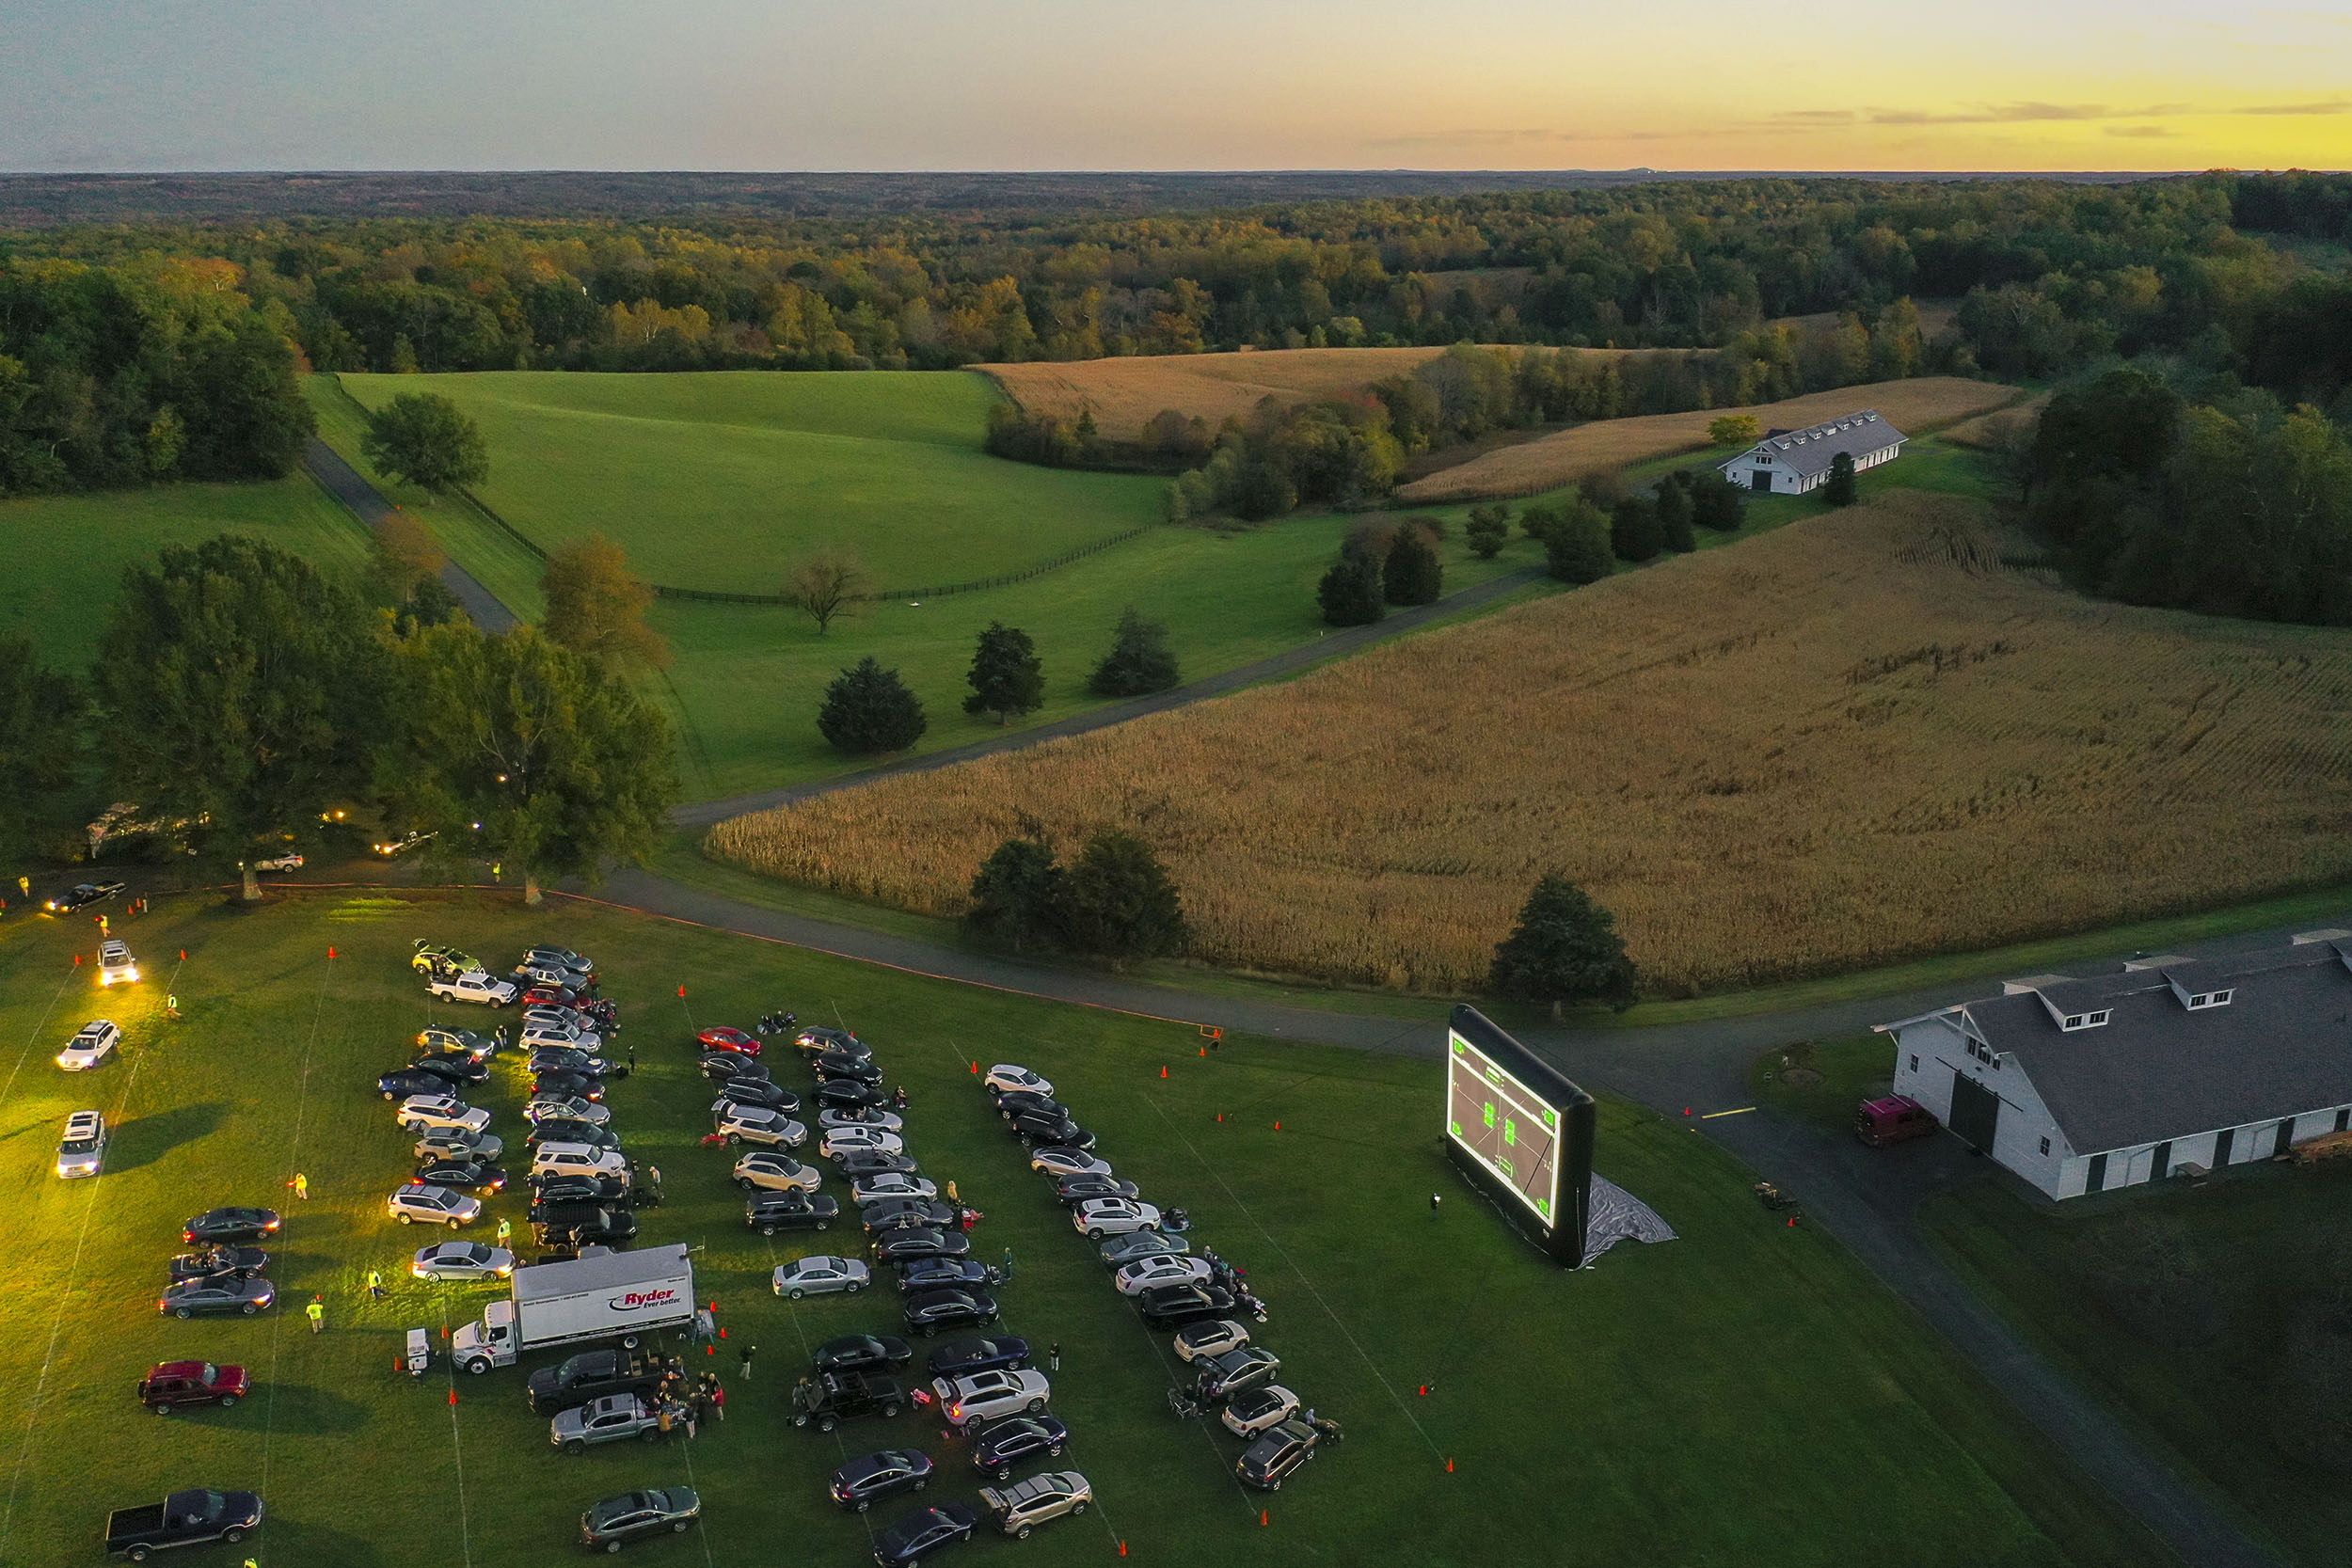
column 125, row 345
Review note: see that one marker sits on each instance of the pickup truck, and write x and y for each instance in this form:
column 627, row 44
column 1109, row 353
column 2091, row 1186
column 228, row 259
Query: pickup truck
column 828, row 1399
column 591, row 1375
column 183, row 1519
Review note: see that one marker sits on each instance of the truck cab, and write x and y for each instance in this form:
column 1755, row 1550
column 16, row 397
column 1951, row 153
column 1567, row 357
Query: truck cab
column 1892, row 1120
column 181, row 1519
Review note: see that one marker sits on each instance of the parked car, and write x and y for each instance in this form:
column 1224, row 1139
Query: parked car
column 82, row 1147
column 183, row 1519
column 592, row 1374
column 1058, row 1161
column 892, row 1213
column 764, row 1170
column 288, row 861
column 1012, row 1102
column 1005, row 1077
column 473, row 984
column 580, row 1085
column 231, row 1224
column 564, row 1058
column 1174, row 1306
column 904, row 1243
column 1097, row 1217
column 721, row 1065
column 171, row 1384
column 632, row 1516
column 1143, row 1243
column 543, row 1030
column 577, row 1224
column 410, row 1083
column 566, row 1108
column 1074, row 1190
column 532, row 972
column 462, row 1260
column 857, row 1353
column 1147, row 1273
column 614, row 1419
column 985, row 1396
column 861, row 1164
column 931, row 1310
column 943, row 1273
column 1278, row 1450
column 436, row 1038
column 116, row 967
column 842, row 1063
column 858, row 1485
column 1000, row 1446
column 566, row 1130
column 565, row 957
column 240, row 1263
column 218, row 1295
column 433, row 1205
column 1219, row 1378
column 455, row 1142
column 1021, row 1507
column 92, row 1044
column 1210, row 1338
column 1249, row 1414
column 757, row 1124
column 849, row 1091
column 825, row 1399
column 81, row 896
column 605, row 1191
column 1897, row 1119
column 890, row 1183
column 431, row 955
column 1046, row 1128
column 840, row 1140
column 755, row 1091
column 922, row 1532
column 968, row 1357
column 465, row 1175
column 723, row 1038
column 425, row 1112
column 860, row 1116
column 450, row 1067
column 816, row 1042
column 579, row 1159
column 793, row 1209
column 819, row 1274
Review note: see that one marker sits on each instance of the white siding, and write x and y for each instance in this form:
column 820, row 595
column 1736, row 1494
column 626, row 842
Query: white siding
column 1942, row 1051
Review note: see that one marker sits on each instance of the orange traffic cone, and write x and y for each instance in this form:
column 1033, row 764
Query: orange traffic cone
column 1163, row 1072
column 1448, row 1466
column 1123, row 1548
column 1262, row 1518
column 975, row 1068
column 453, row 1396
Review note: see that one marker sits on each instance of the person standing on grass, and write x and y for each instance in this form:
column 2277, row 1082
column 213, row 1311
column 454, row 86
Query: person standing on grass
column 632, row 1058
column 316, row 1312
column 1053, row 1357
column 718, row 1398
column 1433, row 1206
column 744, row 1354
column 1008, row 1262
column 951, row 1191
column 375, row 1284
column 301, row 1186
column 506, row 1228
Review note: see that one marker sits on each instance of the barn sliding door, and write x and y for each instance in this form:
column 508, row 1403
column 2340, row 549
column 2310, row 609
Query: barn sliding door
column 1975, row 1111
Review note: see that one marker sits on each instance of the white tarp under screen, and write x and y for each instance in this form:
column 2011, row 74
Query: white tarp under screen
column 1618, row 1215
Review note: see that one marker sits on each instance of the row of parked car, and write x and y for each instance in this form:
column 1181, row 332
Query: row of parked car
column 1152, row 1264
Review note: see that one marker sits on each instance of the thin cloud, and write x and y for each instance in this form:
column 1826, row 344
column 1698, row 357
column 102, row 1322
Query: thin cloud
column 2324, row 107
column 2030, row 113
column 1504, row 138
column 2146, row 131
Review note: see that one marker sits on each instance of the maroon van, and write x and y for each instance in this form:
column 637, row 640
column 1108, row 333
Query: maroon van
column 1891, row 1120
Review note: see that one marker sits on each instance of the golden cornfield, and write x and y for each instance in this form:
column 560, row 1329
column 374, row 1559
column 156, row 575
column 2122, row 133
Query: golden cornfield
column 1565, row 456
column 1855, row 740
column 1125, row 393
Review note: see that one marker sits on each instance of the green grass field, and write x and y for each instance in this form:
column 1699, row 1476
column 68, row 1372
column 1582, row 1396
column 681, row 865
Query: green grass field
column 1744, row 1395
column 2263, row 1245
column 723, row 480
column 65, row 554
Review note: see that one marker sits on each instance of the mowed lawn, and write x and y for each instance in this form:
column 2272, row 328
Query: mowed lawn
column 65, row 554
column 1742, row 1395
column 723, row 480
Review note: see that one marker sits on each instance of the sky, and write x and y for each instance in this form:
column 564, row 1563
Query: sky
column 912, row 84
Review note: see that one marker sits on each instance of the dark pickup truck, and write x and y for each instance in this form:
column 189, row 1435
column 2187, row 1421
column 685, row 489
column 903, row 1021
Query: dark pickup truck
column 580, row 1224
column 183, row 1519
column 828, row 1399
column 591, row 1375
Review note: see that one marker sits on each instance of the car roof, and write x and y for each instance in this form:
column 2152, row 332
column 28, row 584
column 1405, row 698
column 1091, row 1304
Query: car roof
column 85, row 1119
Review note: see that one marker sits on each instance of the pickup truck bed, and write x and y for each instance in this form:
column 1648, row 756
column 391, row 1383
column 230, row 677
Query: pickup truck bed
column 181, row 1519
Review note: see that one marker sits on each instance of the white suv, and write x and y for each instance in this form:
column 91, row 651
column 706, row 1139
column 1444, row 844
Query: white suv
column 1150, row 1274
column 84, row 1147
column 845, row 1140
column 985, row 1396
column 472, row 985
column 758, row 1124
column 546, row 1031
column 424, row 1113
column 1098, row 1217
column 92, row 1044
column 579, row 1160
column 115, row 964
column 421, row 1201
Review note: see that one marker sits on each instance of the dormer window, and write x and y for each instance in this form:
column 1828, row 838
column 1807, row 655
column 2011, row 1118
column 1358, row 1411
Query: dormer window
column 2082, row 1021
column 2199, row 1000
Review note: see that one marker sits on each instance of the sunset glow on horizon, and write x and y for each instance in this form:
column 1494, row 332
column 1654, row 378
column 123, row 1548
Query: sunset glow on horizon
column 1052, row 85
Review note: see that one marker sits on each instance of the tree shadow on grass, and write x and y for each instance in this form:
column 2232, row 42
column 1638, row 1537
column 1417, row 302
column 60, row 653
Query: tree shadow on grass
column 292, row 1407
column 151, row 1138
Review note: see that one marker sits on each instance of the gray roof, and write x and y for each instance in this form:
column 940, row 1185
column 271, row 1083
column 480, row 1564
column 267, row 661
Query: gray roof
column 1810, row 451
column 2281, row 1046
column 543, row 1280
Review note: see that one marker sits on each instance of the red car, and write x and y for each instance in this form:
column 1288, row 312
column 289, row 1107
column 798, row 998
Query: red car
column 1892, row 1120
column 729, row 1039
column 172, row 1383
column 553, row 996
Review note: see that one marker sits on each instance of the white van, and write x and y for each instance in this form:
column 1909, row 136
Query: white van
column 83, row 1151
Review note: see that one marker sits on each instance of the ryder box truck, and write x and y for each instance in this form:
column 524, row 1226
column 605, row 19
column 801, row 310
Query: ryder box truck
column 614, row 1296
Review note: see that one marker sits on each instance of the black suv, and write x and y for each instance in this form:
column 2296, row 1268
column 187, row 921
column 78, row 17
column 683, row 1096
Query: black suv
column 826, row 1400
column 769, row 1213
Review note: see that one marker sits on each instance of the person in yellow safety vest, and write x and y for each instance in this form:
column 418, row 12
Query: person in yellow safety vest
column 316, row 1312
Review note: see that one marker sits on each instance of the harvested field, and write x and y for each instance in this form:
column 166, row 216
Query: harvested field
column 1565, row 456
column 1855, row 740
column 1979, row 432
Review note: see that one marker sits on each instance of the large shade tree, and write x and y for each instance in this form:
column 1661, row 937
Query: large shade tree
column 240, row 694
column 530, row 754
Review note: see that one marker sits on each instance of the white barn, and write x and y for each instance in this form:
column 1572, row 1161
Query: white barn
column 1790, row 462
column 2171, row 1065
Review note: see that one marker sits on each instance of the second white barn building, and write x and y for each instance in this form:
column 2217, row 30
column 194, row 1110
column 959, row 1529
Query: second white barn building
column 1790, row 462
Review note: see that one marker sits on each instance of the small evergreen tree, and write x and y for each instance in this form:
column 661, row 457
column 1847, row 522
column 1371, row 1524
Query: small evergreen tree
column 1536, row 521
column 1007, row 679
column 1673, row 516
column 1411, row 575
column 868, row 708
column 1350, row 592
column 1139, row 661
column 1717, row 503
column 1487, row 531
column 1633, row 531
column 1576, row 543
column 1120, row 901
column 1840, row 490
column 1017, row 896
column 1566, row 948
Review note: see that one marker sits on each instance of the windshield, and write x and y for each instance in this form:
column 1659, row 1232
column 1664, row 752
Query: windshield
column 79, row 1145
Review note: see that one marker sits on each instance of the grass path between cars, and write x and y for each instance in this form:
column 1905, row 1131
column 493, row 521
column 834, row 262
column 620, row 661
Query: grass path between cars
column 1746, row 1394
